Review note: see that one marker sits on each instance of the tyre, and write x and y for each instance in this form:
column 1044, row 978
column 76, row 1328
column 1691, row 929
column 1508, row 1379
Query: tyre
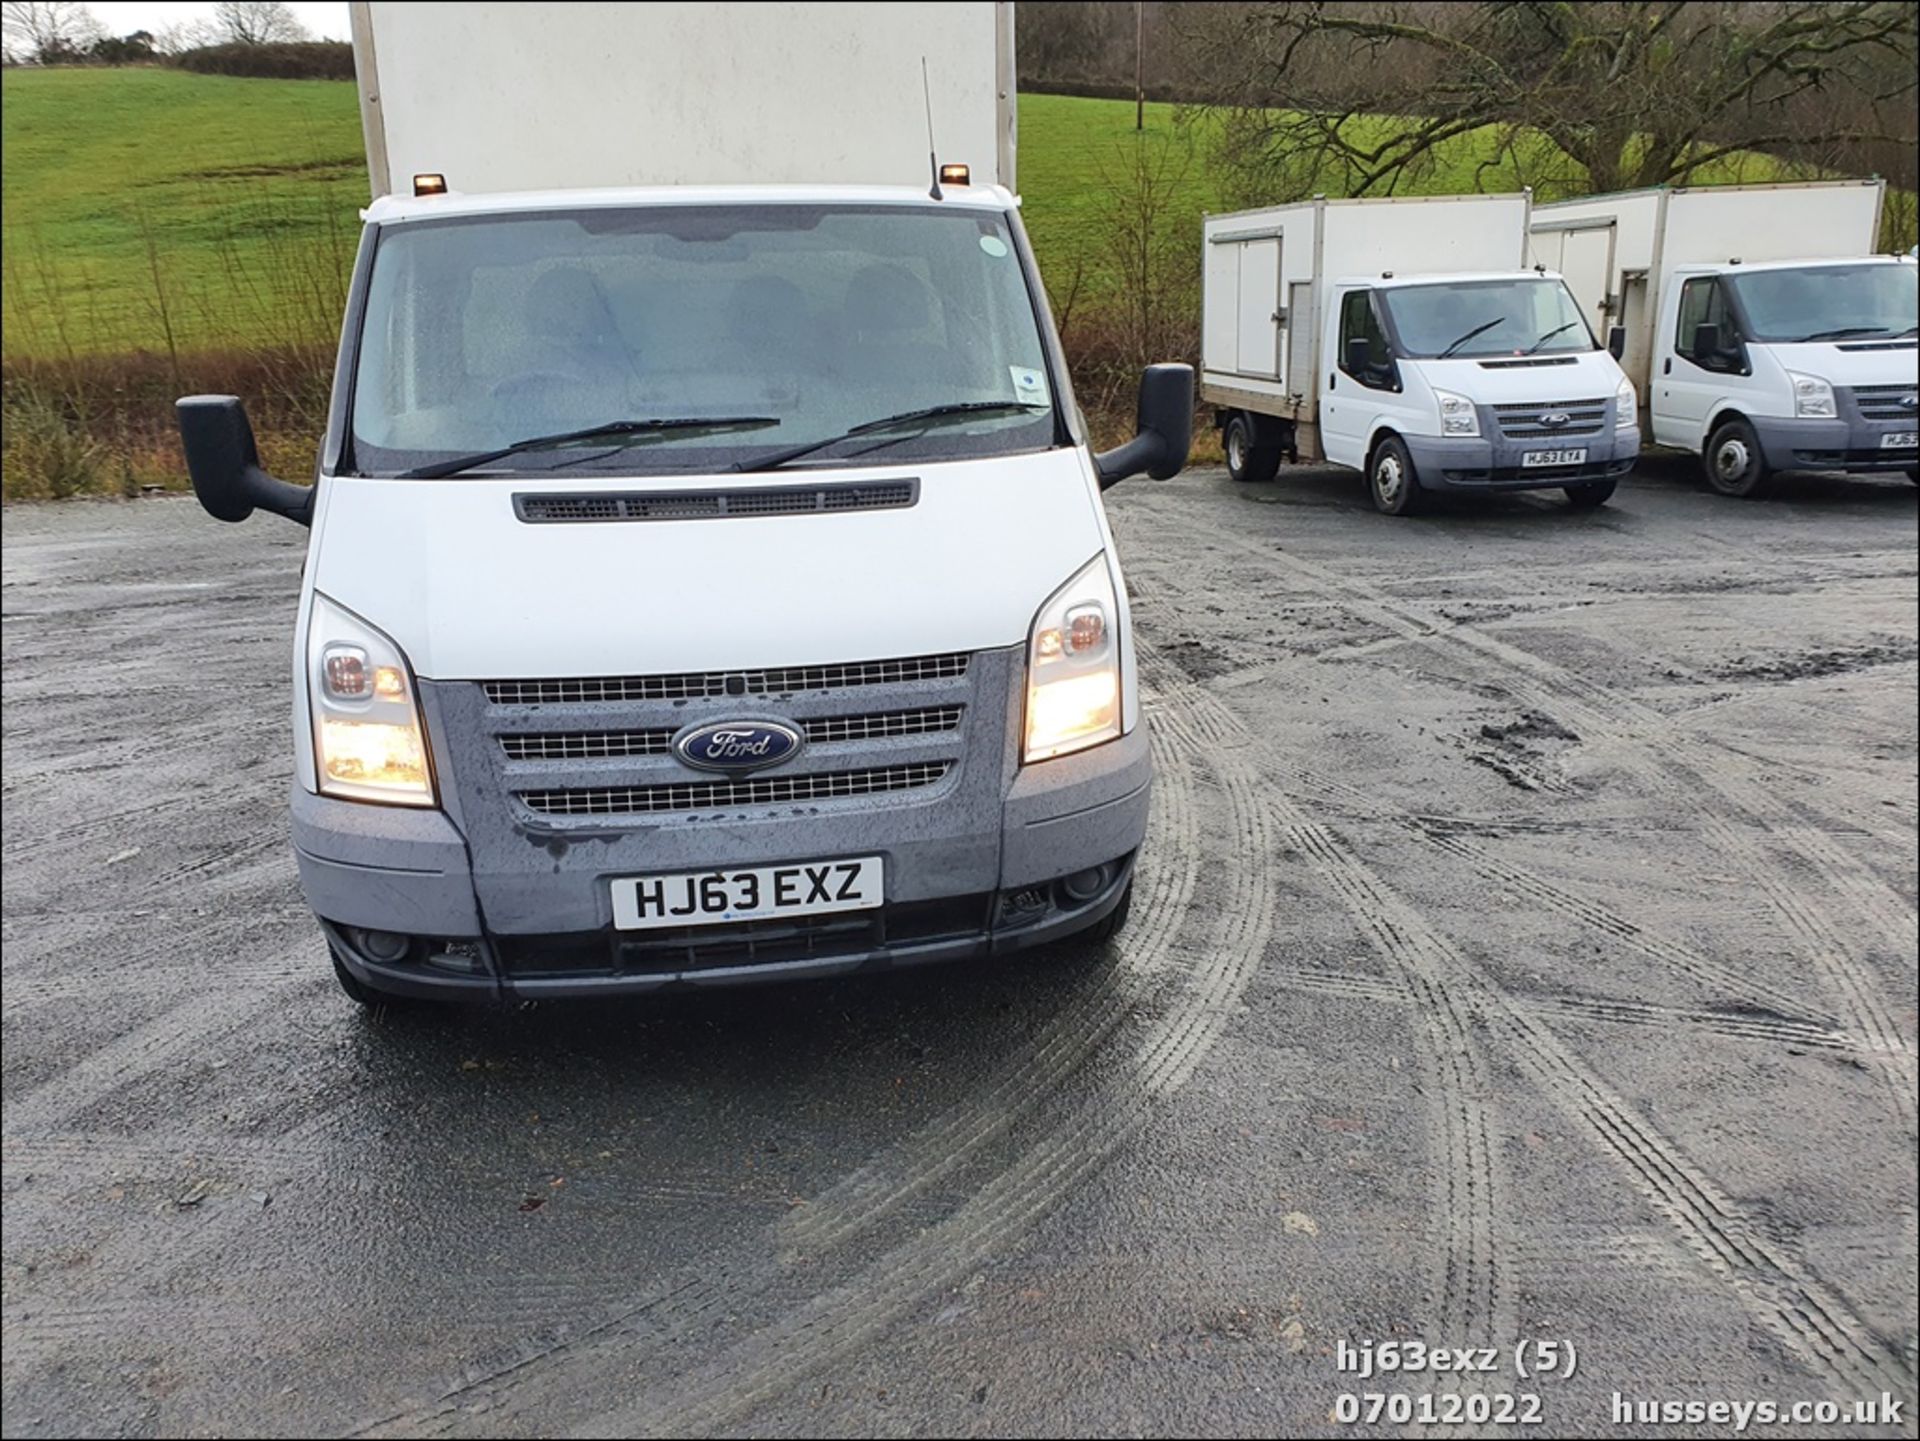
column 1733, row 461
column 1391, row 478
column 1248, row 458
column 1590, row 497
column 1111, row 924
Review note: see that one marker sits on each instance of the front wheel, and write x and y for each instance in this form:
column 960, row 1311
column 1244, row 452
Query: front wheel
column 1734, row 463
column 1391, row 479
column 1109, row 925
column 1590, row 497
column 1247, row 459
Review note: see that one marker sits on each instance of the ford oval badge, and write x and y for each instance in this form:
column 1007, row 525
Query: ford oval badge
column 1556, row 419
column 737, row 745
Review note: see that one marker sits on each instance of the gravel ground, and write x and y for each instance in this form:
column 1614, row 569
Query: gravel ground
column 1525, row 949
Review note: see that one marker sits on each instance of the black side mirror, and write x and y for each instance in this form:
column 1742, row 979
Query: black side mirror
column 1617, row 341
column 1706, row 341
column 1359, row 355
column 1164, row 431
column 225, row 463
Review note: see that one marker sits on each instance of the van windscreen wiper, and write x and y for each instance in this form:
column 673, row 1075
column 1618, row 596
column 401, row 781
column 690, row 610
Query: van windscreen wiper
column 612, row 430
column 1845, row 332
column 931, row 414
column 1550, row 334
column 1477, row 330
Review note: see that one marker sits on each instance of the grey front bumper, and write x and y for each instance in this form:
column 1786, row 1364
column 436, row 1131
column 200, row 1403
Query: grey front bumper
column 1850, row 443
column 493, row 887
column 1492, row 462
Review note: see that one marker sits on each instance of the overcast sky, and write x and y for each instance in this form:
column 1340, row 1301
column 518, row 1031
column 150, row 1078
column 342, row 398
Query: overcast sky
column 122, row 17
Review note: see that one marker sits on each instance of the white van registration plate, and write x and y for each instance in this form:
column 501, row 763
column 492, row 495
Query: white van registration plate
column 1554, row 457
column 1906, row 440
column 748, row 893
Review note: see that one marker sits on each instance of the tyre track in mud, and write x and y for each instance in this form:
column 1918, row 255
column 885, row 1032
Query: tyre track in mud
column 1469, row 1206
column 1034, row 1077
column 1070, row 1148
column 1773, row 1030
column 1810, row 1320
column 1684, row 767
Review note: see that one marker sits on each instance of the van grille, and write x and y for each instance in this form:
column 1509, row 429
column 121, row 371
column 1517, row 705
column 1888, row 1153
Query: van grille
column 714, row 795
column 700, row 684
column 1522, row 420
column 600, row 745
column 537, row 508
column 1884, row 402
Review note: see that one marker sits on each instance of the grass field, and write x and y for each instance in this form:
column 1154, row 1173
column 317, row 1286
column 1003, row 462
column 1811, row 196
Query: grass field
column 156, row 209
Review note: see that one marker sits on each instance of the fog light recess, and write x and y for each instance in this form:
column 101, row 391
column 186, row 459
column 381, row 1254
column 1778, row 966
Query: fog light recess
column 1083, row 886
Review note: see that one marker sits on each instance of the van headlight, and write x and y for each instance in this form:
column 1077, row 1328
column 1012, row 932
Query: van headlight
column 1457, row 415
column 1812, row 397
column 368, row 744
column 1073, row 667
column 1626, row 407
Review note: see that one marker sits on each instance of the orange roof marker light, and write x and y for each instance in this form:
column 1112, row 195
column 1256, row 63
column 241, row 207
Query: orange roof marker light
column 955, row 175
column 429, row 185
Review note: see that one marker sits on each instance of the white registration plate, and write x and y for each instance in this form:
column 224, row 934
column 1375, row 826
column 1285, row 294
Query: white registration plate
column 1905, row 440
column 1554, row 457
column 747, row 893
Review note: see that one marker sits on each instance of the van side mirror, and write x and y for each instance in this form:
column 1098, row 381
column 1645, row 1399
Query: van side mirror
column 1617, row 341
column 1164, row 432
column 1706, row 340
column 1359, row 355
column 225, row 463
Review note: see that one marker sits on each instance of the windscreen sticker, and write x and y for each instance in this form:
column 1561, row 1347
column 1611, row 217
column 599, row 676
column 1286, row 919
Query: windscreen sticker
column 1029, row 385
column 994, row 246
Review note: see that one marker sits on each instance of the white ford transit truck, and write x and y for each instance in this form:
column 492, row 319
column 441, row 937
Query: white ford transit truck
column 1758, row 323
column 708, row 583
column 1404, row 338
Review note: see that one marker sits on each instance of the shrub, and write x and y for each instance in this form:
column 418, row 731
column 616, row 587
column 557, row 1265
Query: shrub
column 295, row 60
column 46, row 448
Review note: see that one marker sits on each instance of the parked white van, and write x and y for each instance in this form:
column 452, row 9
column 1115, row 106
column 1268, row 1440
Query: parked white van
column 1403, row 338
column 1756, row 320
column 706, row 585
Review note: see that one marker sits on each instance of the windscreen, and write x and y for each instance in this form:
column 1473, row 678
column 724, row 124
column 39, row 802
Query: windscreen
column 1486, row 317
column 1828, row 302
column 782, row 324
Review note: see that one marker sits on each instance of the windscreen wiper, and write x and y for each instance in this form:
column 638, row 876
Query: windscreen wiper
column 929, row 415
column 1477, row 330
column 612, row 430
column 1845, row 332
column 1549, row 336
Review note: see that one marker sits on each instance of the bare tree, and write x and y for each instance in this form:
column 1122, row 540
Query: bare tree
column 257, row 22
column 1625, row 93
column 185, row 35
column 48, row 32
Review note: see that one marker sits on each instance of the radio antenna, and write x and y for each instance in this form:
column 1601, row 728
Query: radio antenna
column 933, row 162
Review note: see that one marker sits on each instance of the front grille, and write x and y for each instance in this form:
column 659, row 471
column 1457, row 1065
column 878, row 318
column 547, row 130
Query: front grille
column 717, row 795
column 1884, row 402
column 743, row 943
column 585, row 745
column 601, row 745
column 545, row 509
column 1521, row 421
column 698, row 684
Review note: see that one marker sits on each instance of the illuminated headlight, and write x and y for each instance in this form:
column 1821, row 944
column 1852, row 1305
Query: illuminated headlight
column 1812, row 397
column 1626, row 407
column 367, row 741
column 1457, row 415
column 1073, row 667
